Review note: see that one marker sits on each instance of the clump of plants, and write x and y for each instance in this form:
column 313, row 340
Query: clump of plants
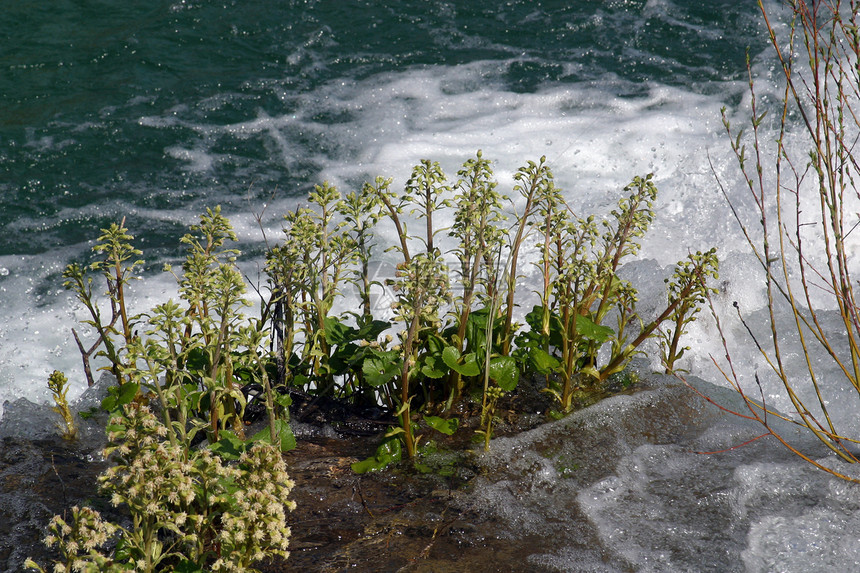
column 454, row 293
column 194, row 357
column 201, row 494
column 190, row 509
column 204, row 496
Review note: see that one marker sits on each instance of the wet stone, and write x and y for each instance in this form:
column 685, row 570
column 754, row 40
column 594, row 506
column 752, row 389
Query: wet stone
column 39, row 479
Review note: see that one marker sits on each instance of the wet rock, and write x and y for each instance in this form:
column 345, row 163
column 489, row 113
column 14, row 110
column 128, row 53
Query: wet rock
column 39, row 479
column 26, row 420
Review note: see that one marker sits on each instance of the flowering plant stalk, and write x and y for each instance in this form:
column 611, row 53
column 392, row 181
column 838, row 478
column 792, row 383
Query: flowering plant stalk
column 455, row 307
column 189, row 509
column 58, row 384
column 215, row 508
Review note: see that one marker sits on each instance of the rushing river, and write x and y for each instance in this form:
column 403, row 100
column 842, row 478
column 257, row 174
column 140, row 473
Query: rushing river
column 154, row 110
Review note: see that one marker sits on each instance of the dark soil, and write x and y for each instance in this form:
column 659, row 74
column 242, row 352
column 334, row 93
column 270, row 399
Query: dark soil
column 406, row 518
column 401, row 519
column 397, row 520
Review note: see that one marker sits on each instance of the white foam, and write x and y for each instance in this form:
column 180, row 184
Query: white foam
column 595, row 142
column 594, row 139
column 31, row 338
column 197, row 160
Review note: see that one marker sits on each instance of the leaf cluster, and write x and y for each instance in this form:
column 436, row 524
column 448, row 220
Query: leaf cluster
column 454, row 343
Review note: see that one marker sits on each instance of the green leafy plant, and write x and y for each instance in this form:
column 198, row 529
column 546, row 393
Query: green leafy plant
column 500, row 373
column 360, row 212
column 420, row 284
column 532, row 181
column 454, row 347
column 217, row 508
column 213, row 289
column 307, row 272
column 480, row 238
column 687, row 293
column 422, row 288
column 117, row 267
column 581, row 287
column 488, row 412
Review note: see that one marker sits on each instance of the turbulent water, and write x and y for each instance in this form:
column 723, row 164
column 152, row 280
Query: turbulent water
column 154, row 110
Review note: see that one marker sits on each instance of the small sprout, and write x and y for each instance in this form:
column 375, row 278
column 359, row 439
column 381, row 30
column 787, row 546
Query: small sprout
column 58, row 384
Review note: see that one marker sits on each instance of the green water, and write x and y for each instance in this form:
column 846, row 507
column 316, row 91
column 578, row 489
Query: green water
column 153, row 110
column 81, row 81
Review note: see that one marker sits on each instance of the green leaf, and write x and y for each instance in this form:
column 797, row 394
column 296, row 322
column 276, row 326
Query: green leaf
column 431, row 368
column 535, row 321
column 389, row 451
column 229, row 447
column 115, row 428
column 120, row 396
column 381, row 367
column 123, row 551
column 86, row 415
column 337, row 333
column 476, row 328
column 195, row 397
column 503, row 369
column 186, row 566
column 534, row 317
column 542, row 361
column 435, row 344
column 341, row 360
column 197, row 360
column 447, row 427
column 371, row 330
column 284, row 431
column 470, row 365
column 371, row 464
column 282, row 400
column 594, row 332
column 466, row 365
column 450, row 356
column 592, row 371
